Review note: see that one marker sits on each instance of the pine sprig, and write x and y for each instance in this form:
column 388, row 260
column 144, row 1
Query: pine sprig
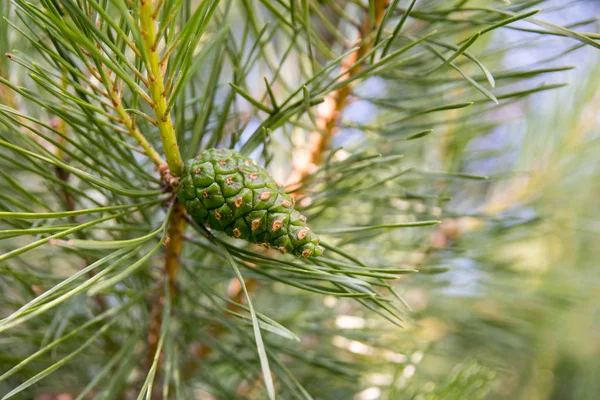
column 100, row 97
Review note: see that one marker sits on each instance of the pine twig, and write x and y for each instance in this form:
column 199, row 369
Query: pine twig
column 157, row 88
column 148, row 16
column 328, row 119
column 174, row 244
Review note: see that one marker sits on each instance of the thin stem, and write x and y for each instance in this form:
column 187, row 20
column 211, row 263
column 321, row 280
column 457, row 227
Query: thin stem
column 174, row 244
column 133, row 130
column 176, row 228
column 156, row 81
column 157, row 89
column 335, row 103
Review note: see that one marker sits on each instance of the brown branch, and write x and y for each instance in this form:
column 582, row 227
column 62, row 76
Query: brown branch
column 327, row 122
column 174, row 244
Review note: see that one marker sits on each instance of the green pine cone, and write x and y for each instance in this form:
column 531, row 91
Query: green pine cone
column 228, row 192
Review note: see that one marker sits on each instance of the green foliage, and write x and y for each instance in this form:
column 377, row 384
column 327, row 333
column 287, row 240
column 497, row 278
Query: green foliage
column 85, row 120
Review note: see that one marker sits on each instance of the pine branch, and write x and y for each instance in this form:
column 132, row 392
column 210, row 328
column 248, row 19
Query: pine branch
column 155, row 69
column 148, row 17
column 329, row 116
column 111, row 81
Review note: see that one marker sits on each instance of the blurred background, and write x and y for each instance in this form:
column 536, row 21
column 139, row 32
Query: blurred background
column 518, row 313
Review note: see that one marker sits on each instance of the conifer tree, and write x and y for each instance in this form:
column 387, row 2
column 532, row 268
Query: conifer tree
column 242, row 199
